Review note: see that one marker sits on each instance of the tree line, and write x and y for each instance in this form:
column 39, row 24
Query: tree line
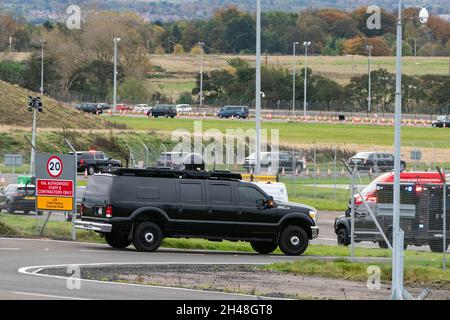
column 236, row 85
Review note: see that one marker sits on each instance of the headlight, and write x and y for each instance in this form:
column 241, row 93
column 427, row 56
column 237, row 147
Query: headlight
column 313, row 214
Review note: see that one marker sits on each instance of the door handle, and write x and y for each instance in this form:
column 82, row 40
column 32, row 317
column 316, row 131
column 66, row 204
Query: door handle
column 210, row 210
column 239, row 210
column 180, row 209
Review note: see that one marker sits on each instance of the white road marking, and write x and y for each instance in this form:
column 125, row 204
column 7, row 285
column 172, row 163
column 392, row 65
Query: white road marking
column 26, row 270
column 10, row 249
column 48, row 296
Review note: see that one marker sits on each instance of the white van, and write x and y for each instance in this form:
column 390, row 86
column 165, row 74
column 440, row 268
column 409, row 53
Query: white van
column 275, row 189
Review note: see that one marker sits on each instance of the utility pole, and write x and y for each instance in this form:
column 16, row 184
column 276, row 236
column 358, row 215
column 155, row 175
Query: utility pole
column 201, row 44
column 306, row 44
column 369, row 98
column 10, row 47
column 293, row 78
column 33, row 133
column 258, row 88
column 115, row 40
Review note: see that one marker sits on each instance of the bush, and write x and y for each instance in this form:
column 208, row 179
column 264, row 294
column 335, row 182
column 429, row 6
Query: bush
column 185, row 98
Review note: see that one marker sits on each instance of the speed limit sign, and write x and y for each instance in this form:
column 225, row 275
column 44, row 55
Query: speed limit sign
column 54, row 166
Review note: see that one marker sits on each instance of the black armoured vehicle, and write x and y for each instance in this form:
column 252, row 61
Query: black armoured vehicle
column 163, row 110
column 143, row 206
column 92, row 161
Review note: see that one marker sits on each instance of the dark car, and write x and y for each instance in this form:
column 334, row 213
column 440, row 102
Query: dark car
column 233, row 111
column 162, row 110
column 18, row 198
column 90, row 107
column 286, row 161
column 93, row 160
column 143, row 206
column 80, row 194
column 377, row 161
column 441, row 122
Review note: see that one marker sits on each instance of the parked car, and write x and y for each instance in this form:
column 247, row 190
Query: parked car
column 140, row 108
column 290, row 162
column 171, row 159
column 92, row 161
column 163, row 110
column 233, row 111
column 183, row 108
column 123, row 107
column 103, row 106
column 17, row 197
column 143, row 206
column 377, row 161
column 90, row 107
column 441, row 122
column 364, row 221
column 79, row 194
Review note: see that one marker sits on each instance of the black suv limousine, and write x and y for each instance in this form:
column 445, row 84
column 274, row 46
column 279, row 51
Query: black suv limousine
column 143, row 206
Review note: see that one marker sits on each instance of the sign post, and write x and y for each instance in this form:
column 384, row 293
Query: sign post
column 55, row 183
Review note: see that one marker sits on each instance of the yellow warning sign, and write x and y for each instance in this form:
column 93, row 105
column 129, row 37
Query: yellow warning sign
column 54, row 203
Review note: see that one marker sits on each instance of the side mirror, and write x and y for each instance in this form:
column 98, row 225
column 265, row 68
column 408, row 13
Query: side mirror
column 270, row 202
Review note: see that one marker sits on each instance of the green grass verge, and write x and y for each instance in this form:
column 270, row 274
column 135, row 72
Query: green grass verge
column 430, row 275
column 303, row 133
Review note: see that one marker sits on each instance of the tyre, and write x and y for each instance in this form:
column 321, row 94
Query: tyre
column 147, row 237
column 10, row 210
column 382, row 244
column 342, row 237
column 220, row 116
column 437, row 246
column 434, row 125
column 263, row 247
column 299, row 168
column 91, row 170
column 293, row 240
column 238, row 116
column 40, row 213
column 117, row 240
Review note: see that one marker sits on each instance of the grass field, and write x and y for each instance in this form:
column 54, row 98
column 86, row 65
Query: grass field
column 303, row 133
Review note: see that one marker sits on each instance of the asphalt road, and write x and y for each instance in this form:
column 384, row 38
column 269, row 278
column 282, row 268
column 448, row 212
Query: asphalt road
column 31, row 255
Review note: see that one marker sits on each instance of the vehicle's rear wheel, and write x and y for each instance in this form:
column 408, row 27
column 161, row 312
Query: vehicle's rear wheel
column 437, row 246
column 10, row 210
column 293, row 241
column 147, row 236
column 117, row 240
column 299, row 168
column 342, row 237
column 238, row 116
column 91, row 170
column 263, row 247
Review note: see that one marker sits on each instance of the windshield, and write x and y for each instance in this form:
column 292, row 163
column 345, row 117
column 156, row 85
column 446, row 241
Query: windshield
column 362, row 155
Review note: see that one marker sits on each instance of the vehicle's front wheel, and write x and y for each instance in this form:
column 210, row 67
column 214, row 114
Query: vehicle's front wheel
column 293, row 241
column 263, row 247
column 434, row 125
column 147, row 236
column 437, row 246
column 342, row 237
column 117, row 240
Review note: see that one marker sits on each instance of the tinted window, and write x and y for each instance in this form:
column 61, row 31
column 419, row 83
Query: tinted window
column 220, row 193
column 191, row 192
column 88, row 156
column 249, row 195
column 100, row 156
column 98, row 186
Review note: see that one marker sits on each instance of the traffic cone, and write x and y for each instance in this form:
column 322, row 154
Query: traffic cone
column 342, row 172
column 318, row 171
column 296, row 172
column 307, row 172
column 329, row 172
column 282, row 171
column 85, row 172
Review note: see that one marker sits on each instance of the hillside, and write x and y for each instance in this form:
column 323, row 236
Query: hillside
column 13, row 111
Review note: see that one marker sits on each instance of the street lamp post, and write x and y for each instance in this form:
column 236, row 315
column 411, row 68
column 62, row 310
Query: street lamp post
column 258, row 88
column 201, row 44
column 293, row 78
column 398, row 234
column 369, row 97
column 306, row 44
column 115, row 40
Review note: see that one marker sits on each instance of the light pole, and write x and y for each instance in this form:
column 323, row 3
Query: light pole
column 369, row 97
column 293, row 78
column 258, row 88
column 306, row 44
column 10, row 47
column 398, row 234
column 42, row 67
column 201, row 44
column 115, row 40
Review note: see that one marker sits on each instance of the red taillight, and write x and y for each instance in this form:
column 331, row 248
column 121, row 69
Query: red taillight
column 358, row 201
column 419, row 188
column 109, row 211
column 371, row 199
